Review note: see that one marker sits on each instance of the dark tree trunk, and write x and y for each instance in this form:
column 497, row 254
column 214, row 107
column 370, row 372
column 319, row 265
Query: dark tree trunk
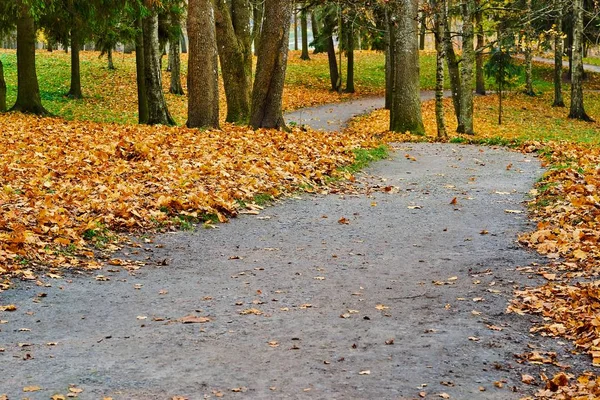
column 350, row 56
column 422, row 31
column 258, row 16
column 267, row 94
column 234, row 42
column 334, row 76
column 28, row 91
column 304, row 30
column 109, row 56
column 75, row 90
column 577, row 109
column 203, row 78
column 2, row 89
column 184, row 44
column 314, row 25
column 479, row 76
column 389, row 64
column 405, row 113
column 140, row 75
column 442, row 133
column 175, row 61
column 529, row 50
column 558, row 52
column 295, row 11
column 158, row 113
column 453, row 69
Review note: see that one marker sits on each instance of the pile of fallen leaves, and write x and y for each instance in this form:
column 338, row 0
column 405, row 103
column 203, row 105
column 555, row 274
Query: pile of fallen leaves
column 63, row 182
column 565, row 387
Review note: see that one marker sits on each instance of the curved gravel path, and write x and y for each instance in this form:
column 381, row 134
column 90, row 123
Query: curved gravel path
column 387, row 292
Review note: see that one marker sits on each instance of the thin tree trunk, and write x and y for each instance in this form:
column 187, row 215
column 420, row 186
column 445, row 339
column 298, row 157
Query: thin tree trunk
column 479, row 76
column 333, row 67
column 28, row 91
column 314, row 25
column 422, row 31
column 405, row 113
column 109, row 56
column 466, row 69
column 75, row 90
column 304, row 30
column 577, row 109
column 442, row 134
column 203, row 79
column 267, row 93
column 389, row 63
column 295, row 11
column 184, row 44
column 2, row 89
column 234, row 42
column 350, row 58
column 558, row 52
column 529, row 51
column 453, row 69
column 158, row 113
column 140, row 74
column 175, row 61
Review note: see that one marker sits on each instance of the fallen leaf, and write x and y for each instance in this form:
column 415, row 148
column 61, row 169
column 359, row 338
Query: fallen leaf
column 365, row 372
column 32, row 389
column 194, row 319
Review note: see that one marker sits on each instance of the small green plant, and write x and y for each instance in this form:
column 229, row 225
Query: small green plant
column 262, row 199
column 99, row 236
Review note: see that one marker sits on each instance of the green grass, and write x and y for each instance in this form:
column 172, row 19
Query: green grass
column 364, row 157
column 592, row 60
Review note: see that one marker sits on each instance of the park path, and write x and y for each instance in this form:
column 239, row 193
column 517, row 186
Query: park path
column 385, row 291
column 587, row 67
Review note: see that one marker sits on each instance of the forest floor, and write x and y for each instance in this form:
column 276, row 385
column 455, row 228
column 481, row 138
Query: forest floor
column 394, row 286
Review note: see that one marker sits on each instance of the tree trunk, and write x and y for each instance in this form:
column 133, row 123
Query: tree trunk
column 389, row 64
column 577, row 110
column 175, row 61
column 184, row 44
column 304, row 29
column 2, row 89
column 479, row 76
column 75, row 90
column 203, row 78
column 295, row 11
column 109, row 56
column 334, row 76
column 442, row 134
column 558, row 52
column 453, row 69
column 140, row 74
column 314, row 25
column 466, row 69
column 422, row 31
column 258, row 17
column 234, row 42
column 158, row 113
column 405, row 113
column 529, row 51
column 28, row 91
column 267, row 94
column 350, row 57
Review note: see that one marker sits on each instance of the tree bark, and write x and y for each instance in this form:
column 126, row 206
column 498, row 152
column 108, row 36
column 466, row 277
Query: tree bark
column 314, row 25
column 558, row 52
column 295, row 11
column 479, row 76
column 234, row 40
column 529, row 51
column 75, row 89
column 577, row 110
column 405, row 112
column 389, row 66
column 334, row 76
column 28, row 91
column 140, row 74
column 267, row 94
column 2, row 89
column 109, row 56
column 203, row 79
column 304, row 30
column 422, row 31
column 442, row 133
column 466, row 69
column 453, row 69
column 350, row 57
column 175, row 61
column 258, row 16
column 158, row 113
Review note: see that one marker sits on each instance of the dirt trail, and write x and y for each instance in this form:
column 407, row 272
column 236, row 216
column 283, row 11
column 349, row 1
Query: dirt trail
column 406, row 268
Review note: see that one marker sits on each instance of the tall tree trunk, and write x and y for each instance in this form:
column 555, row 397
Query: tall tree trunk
column 389, row 63
column 405, row 113
column 466, row 69
column 234, row 42
column 314, row 25
column 529, row 51
column 350, row 57
column 577, row 110
column 2, row 89
column 267, row 94
column 158, row 113
column 258, row 18
column 28, row 91
column 109, row 56
column 184, row 44
column 203, row 79
column 140, row 74
column 295, row 11
column 479, row 76
column 304, row 30
column 442, row 134
column 75, row 90
column 453, row 69
column 558, row 52
column 175, row 61
column 422, row 31
column 334, row 76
